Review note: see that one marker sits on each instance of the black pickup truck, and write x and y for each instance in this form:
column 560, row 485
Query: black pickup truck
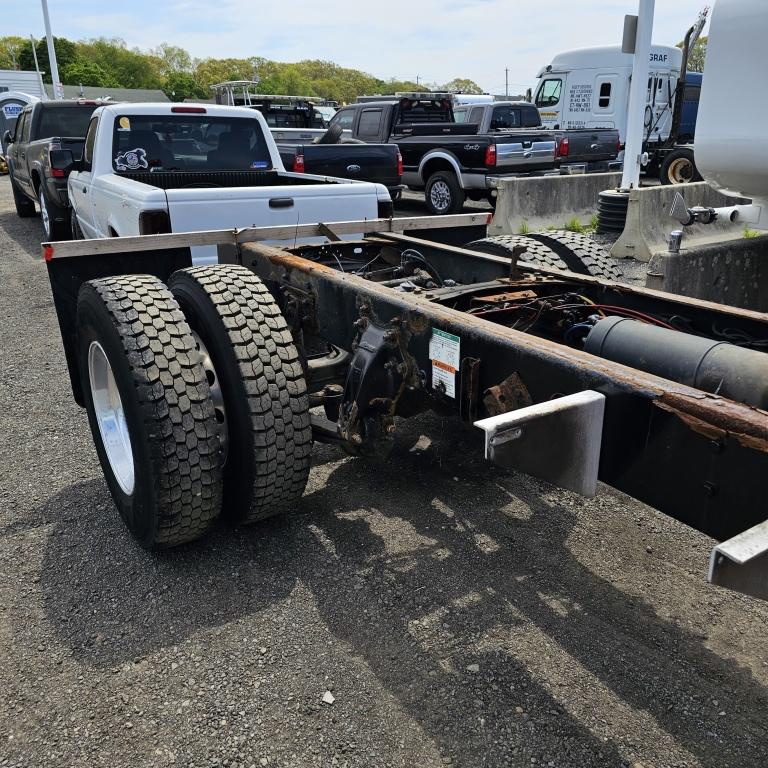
column 299, row 129
column 594, row 148
column 379, row 163
column 450, row 161
column 43, row 131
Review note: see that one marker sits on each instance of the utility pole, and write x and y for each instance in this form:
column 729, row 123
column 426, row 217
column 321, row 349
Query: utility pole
column 58, row 90
column 37, row 69
column 417, row 79
column 506, row 81
column 633, row 146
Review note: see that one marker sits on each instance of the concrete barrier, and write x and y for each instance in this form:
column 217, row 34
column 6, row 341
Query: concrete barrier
column 733, row 272
column 538, row 202
column 649, row 224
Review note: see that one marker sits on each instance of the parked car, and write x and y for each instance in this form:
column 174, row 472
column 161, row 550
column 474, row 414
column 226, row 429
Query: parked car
column 592, row 147
column 450, row 161
column 42, row 131
column 152, row 168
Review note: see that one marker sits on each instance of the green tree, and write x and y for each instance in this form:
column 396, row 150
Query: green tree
column 171, row 58
column 129, row 67
column 66, row 53
column 10, row 48
column 462, row 85
column 84, row 72
column 698, row 54
column 182, row 85
column 210, row 71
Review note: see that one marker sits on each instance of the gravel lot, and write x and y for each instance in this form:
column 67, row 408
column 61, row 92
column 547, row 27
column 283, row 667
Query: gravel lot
column 457, row 614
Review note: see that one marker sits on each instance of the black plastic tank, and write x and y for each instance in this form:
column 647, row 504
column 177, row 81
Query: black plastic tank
column 713, row 366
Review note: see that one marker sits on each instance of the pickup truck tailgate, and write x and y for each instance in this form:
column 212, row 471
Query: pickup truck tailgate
column 517, row 150
column 193, row 210
column 362, row 162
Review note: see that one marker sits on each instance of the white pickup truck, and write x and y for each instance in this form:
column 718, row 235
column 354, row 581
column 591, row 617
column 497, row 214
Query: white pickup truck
column 155, row 168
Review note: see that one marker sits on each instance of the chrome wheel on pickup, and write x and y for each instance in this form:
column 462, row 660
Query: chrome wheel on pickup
column 443, row 194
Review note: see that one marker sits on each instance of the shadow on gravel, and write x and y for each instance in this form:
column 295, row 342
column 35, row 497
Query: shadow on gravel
column 416, row 586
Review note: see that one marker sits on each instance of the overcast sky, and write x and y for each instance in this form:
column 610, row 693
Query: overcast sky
column 436, row 40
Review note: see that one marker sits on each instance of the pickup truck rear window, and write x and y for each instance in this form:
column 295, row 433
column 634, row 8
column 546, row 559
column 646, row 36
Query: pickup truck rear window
column 64, row 121
column 185, row 142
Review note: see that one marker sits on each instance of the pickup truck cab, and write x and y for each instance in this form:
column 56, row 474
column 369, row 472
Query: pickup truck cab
column 153, row 168
column 42, row 131
column 448, row 160
column 299, row 126
column 592, row 147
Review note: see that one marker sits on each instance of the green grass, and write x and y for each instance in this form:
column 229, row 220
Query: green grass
column 574, row 225
column 524, row 229
column 751, row 232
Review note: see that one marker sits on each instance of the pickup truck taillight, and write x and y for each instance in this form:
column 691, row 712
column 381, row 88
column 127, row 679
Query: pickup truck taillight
column 154, row 223
column 298, row 164
column 563, row 147
column 399, row 164
column 56, row 173
column 490, row 155
column 386, row 209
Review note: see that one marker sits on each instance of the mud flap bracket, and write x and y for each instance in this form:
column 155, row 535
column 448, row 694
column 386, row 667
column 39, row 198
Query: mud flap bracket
column 741, row 563
column 558, row 440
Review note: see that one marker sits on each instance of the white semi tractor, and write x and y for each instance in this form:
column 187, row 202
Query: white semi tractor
column 589, row 88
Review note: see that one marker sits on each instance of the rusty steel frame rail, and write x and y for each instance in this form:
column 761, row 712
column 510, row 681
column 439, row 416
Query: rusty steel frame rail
column 697, row 457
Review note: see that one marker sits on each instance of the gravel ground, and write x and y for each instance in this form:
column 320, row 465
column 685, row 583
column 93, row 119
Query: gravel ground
column 455, row 614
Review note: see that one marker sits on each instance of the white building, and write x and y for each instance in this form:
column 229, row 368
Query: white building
column 24, row 82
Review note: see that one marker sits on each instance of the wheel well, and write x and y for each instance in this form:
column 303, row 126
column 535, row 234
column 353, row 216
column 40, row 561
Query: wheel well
column 435, row 165
column 36, row 181
column 112, row 232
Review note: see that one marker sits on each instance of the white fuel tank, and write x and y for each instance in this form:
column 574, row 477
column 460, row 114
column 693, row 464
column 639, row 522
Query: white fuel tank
column 733, row 111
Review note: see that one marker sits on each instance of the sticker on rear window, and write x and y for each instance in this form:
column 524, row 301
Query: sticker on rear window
column 124, row 124
column 132, row 160
column 259, row 164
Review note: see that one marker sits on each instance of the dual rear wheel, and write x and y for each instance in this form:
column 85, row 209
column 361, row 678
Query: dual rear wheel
column 196, row 400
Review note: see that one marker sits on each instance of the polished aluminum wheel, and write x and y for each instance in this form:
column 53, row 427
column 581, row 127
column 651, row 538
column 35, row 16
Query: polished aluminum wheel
column 440, row 195
column 110, row 416
column 217, row 396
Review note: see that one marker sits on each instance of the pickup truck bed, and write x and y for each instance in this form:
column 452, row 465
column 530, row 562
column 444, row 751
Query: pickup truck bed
column 574, row 145
column 378, row 163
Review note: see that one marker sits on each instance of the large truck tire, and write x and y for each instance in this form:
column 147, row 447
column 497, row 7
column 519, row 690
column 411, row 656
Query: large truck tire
column 535, row 253
column 56, row 222
column 679, row 167
column 566, row 251
column 258, row 384
column 24, row 206
column 443, row 194
column 149, row 408
column 331, row 136
column 580, row 253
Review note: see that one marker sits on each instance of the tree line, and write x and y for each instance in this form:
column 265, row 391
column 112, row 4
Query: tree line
column 110, row 63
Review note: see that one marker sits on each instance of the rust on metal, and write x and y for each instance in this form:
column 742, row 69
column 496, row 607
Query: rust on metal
column 510, row 395
column 718, row 418
column 470, row 389
column 500, row 298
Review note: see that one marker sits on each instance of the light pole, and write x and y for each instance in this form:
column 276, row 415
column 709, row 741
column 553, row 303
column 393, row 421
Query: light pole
column 58, row 90
column 633, row 145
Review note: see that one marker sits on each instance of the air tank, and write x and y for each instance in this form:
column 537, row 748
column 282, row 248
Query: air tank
column 733, row 112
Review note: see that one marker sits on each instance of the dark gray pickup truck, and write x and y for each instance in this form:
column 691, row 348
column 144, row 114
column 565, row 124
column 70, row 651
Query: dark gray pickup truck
column 595, row 148
column 44, row 130
column 450, row 161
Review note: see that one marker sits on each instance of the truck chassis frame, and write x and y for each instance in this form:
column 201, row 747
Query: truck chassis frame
column 694, row 455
